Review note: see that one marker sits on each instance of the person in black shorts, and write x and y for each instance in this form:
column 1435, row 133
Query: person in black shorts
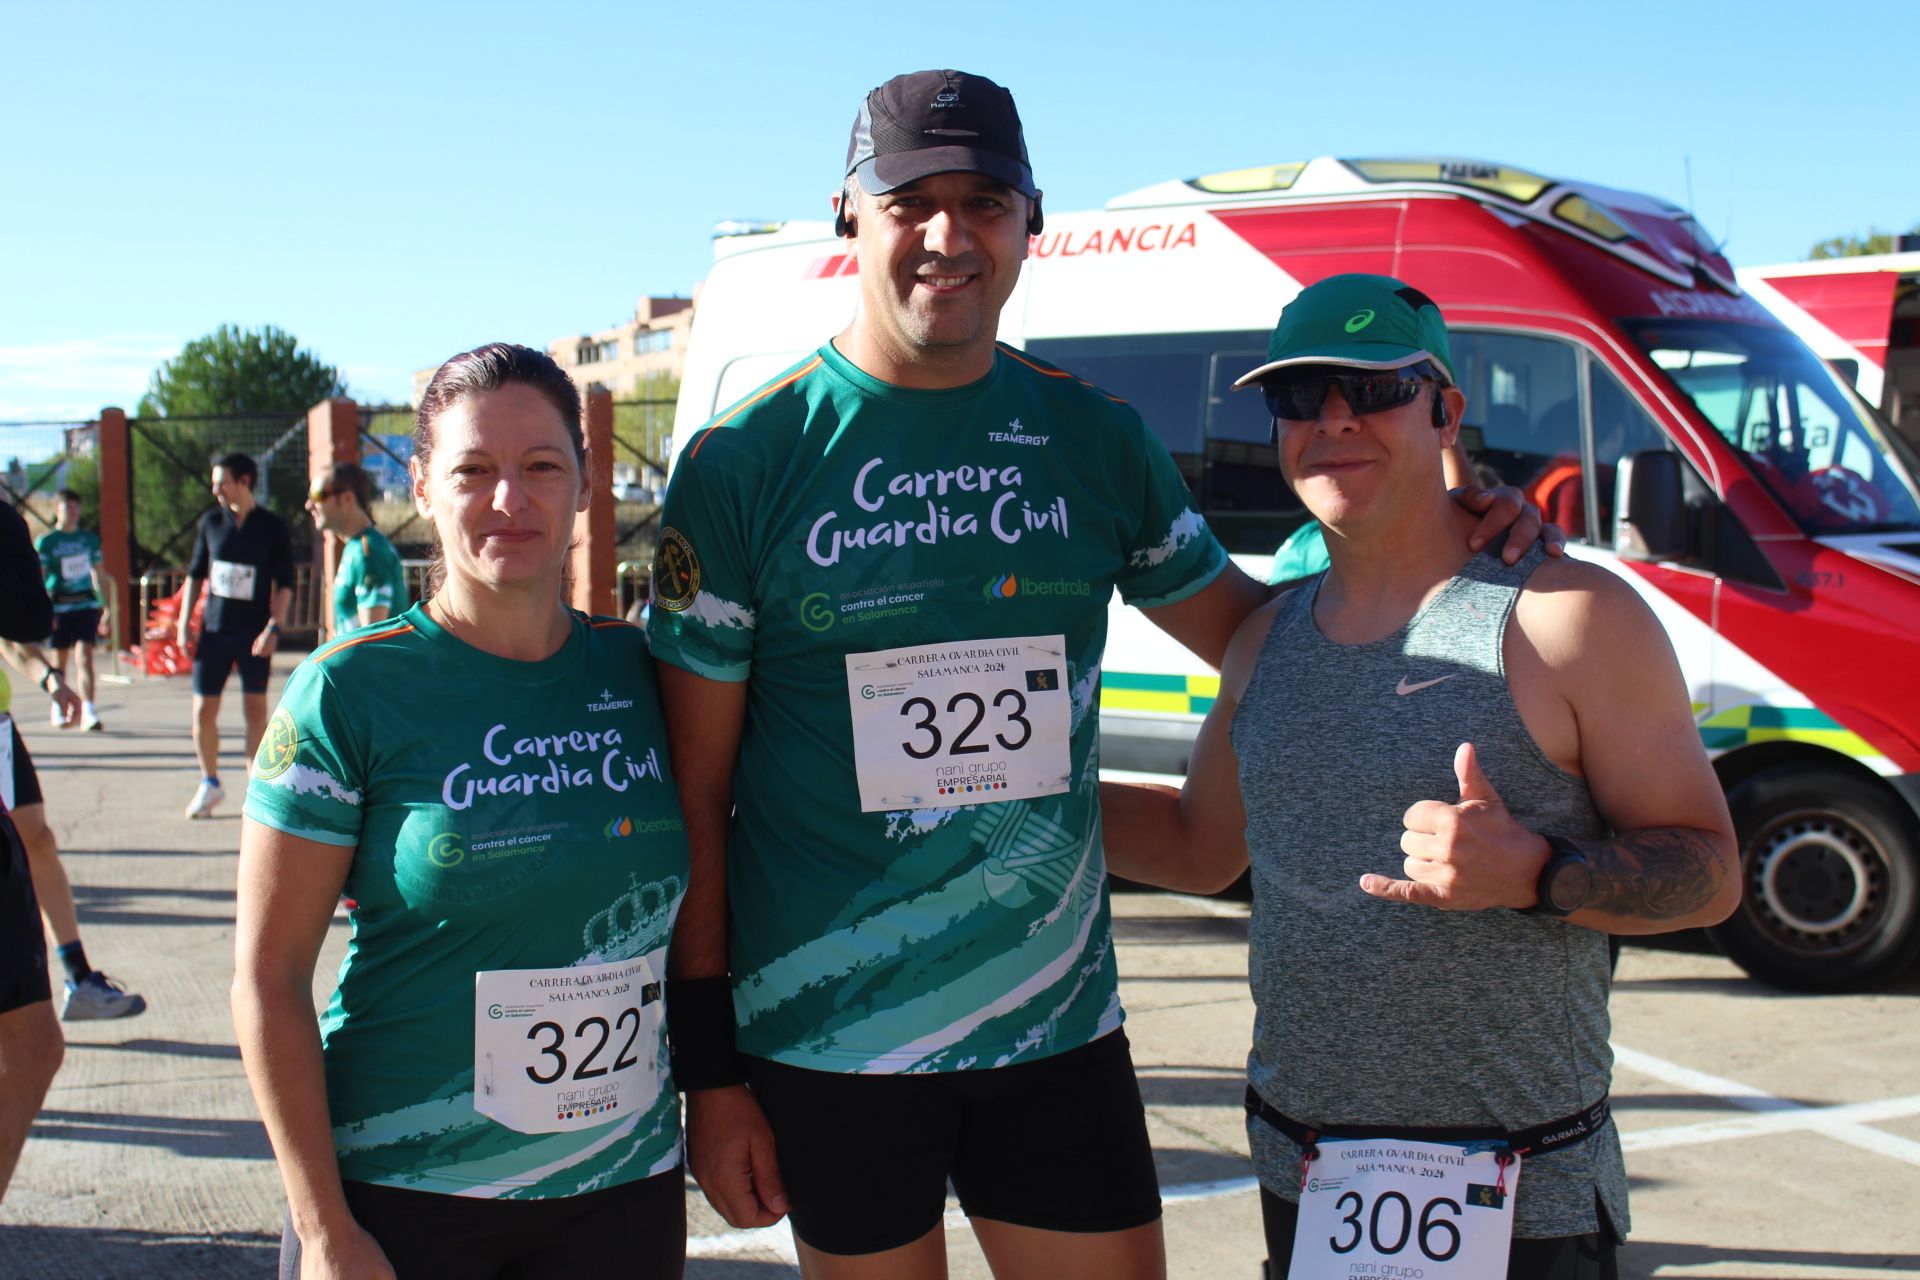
column 245, row 557
column 30, row 1042
column 70, row 561
column 90, row 994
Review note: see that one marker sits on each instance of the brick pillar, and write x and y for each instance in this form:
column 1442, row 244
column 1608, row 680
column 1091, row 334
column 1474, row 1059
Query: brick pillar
column 114, row 452
column 595, row 580
column 333, row 435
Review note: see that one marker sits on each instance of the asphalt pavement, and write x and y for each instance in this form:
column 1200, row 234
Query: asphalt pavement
column 1768, row 1135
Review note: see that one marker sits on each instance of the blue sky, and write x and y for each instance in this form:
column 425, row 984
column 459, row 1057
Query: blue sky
column 395, row 182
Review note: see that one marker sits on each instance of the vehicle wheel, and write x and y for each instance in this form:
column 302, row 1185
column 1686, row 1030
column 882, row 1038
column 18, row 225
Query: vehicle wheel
column 1830, row 881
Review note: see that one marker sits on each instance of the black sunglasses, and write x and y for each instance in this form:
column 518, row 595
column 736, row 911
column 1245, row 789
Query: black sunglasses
column 1296, row 394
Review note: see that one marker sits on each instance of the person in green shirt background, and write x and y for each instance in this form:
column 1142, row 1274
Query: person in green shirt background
column 70, row 561
column 370, row 583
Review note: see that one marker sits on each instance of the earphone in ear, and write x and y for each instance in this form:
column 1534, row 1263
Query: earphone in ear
column 1035, row 220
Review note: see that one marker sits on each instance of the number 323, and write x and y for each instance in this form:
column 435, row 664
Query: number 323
column 929, row 723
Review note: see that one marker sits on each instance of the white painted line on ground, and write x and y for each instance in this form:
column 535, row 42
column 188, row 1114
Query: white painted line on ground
column 1740, row 1269
column 777, row 1240
column 1191, row 1191
column 1224, row 907
column 1174, row 780
column 1846, row 1122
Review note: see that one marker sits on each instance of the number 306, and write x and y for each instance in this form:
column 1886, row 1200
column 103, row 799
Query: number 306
column 1430, row 1226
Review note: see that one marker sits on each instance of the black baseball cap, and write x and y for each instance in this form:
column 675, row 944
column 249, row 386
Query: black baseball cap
column 928, row 122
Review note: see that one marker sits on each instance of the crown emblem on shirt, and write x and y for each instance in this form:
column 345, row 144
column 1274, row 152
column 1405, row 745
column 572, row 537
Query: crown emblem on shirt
column 636, row 923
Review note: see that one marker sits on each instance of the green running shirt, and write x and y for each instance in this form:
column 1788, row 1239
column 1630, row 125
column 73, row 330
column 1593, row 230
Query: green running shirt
column 845, row 542
column 67, row 560
column 370, row 576
column 505, row 816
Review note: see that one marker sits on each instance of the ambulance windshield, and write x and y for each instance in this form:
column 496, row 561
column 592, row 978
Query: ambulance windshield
column 1828, row 457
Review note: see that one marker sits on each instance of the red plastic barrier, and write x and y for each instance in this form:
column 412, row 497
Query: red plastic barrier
column 160, row 653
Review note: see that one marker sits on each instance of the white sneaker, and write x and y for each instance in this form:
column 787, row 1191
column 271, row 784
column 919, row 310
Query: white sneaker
column 209, row 795
column 98, row 996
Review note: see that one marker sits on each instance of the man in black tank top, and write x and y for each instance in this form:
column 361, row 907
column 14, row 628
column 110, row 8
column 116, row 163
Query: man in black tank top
column 1452, row 777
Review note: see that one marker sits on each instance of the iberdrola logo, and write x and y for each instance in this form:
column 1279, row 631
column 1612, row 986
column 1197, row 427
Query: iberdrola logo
column 619, row 828
column 1004, row 587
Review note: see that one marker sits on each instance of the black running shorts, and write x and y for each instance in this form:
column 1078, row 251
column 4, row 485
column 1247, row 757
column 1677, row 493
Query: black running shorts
column 637, row 1231
column 23, row 947
column 79, row 626
column 215, row 657
column 1059, row 1143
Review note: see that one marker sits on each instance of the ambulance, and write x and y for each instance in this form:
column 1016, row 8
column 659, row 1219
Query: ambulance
column 1862, row 316
column 1615, row 371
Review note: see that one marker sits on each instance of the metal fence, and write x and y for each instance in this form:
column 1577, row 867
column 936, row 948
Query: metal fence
column 172, row 460
column 42, row 458
column 642, row 443
column 386, row 447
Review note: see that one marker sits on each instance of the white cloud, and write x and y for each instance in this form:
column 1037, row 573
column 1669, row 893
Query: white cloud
column 73, row 381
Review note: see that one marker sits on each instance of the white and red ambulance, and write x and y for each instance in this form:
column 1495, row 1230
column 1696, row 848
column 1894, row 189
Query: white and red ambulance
column 1861, row 315
column 1614, row 370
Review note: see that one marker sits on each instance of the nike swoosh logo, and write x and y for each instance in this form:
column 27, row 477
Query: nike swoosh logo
column 1403, row 688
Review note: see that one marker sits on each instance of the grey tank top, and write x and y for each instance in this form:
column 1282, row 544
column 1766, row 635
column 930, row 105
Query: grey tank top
column 1379, row 1013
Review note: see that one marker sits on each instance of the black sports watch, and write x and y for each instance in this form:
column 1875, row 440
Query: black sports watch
column 1566, row 880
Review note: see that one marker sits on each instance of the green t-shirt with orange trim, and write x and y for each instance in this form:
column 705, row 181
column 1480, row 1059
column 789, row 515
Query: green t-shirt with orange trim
column 915, row 585
column 504, row 816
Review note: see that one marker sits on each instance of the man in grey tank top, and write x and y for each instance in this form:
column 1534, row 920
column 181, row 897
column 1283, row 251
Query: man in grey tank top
column 1453, row 777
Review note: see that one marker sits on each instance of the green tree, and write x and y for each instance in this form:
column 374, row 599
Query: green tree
column 233, row 390
column 234, row 371
column 1875, row 241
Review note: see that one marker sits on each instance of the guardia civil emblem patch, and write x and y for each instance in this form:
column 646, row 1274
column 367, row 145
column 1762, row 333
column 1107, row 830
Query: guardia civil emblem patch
column 676, row 571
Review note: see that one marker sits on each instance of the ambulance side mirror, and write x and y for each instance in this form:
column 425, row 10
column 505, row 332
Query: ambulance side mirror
column 1652, row 513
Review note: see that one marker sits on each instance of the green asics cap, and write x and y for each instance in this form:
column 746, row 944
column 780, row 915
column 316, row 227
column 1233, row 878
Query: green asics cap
column 1366, row 322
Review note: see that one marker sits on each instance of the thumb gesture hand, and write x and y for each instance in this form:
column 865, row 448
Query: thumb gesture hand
column 1473, row 783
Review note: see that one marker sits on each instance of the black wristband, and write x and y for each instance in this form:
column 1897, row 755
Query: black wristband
column 47, row 680
column 700, row 1033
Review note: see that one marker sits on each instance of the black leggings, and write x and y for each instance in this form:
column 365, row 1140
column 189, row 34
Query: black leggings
column 637, row 1230
column 1588, row 1257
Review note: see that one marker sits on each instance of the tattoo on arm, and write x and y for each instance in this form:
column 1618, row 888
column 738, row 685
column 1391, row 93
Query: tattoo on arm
column 1661, row 873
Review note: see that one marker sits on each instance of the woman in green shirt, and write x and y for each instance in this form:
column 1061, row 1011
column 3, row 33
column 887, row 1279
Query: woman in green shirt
column 486, row 777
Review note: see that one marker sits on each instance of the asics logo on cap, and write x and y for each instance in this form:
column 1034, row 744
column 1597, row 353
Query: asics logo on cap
column 1359, row 320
